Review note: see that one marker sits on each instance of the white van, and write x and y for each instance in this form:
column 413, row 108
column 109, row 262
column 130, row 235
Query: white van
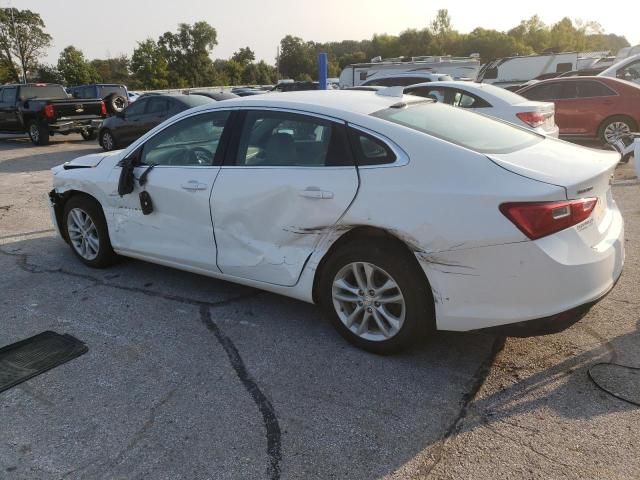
column 510, row 71
column 627, row 69
column 456, row 67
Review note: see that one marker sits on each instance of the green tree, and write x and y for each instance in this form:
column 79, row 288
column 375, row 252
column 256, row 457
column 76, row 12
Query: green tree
column 48, row 74
column 187, row 52
column 149, row 67
column 113, row 70
column 22, row 41
column 75, row 69
column 296, row 58
column 244, row 56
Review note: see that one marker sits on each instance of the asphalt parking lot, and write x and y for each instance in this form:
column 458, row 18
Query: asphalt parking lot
column 189, row 377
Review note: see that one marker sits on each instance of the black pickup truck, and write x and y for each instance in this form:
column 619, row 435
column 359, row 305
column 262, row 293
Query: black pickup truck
column 43, row 109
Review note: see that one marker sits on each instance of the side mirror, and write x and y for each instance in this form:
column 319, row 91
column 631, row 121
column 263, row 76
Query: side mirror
column 126, row 182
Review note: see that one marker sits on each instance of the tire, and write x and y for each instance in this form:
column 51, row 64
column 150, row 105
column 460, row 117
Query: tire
column 115, row 103
column 89, row 240
column 89, row 134
column 414, row 316
column 617, row 123
column 38, row 133
column 108, row 141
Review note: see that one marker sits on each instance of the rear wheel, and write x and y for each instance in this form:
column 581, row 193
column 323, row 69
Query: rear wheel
column 615, row 127
column 376, row 296
column 89, row 134
column 86, row 230
column 38, row 133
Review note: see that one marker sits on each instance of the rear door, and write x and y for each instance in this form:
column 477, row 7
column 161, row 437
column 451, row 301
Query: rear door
column 156, row 113
column 587, row 104
column 133, row 125
column 288, row 177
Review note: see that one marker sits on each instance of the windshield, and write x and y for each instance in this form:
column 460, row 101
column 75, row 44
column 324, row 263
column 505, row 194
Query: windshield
column 45, row 91
column 470, row 130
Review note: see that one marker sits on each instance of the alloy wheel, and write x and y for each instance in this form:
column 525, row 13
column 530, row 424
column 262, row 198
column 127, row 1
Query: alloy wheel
column 368, row 301
column 107, row 141
column 83, row 234
column 34, row 133
column 615, row 130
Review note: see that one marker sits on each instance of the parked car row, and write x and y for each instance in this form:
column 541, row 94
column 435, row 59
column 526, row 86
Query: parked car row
column 387, row 210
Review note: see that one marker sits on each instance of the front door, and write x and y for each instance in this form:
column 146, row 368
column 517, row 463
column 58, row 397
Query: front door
column 8, row 110
column 179, row 230
column 287, row 179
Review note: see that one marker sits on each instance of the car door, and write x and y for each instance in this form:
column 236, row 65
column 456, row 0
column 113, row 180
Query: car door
column 132, row 127
column 179, row 230
column 156, row 113
column 288, row 177
column 590, row 103
column 8, row 111
column 558, row 93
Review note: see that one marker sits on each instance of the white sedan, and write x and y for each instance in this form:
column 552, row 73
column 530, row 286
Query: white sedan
column 493, row 101
column 398, row 215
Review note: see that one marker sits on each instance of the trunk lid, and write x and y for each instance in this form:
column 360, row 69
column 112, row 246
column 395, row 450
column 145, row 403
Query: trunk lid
column 583, row 172
column 548, row 109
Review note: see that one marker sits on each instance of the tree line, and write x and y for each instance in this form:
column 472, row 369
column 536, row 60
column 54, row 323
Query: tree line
column 183, row 58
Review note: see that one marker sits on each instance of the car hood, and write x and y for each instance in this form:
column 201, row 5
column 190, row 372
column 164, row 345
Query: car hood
column 86, row 161
column 578, row 169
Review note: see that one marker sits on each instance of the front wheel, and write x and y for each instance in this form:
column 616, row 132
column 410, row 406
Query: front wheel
column 377, row 297
column 86, row 230
column 107, row 141
column 39, row 134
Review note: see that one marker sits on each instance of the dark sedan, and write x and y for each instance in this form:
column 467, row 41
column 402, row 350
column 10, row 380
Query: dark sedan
column 138, row 118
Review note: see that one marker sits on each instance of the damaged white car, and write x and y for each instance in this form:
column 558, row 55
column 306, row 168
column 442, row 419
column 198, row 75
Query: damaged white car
column 398, row 215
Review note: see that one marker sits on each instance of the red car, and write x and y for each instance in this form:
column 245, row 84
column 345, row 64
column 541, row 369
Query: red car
column 590, row 107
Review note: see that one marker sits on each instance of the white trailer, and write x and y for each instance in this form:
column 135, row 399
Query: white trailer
column 510, row 71
column 456, row 67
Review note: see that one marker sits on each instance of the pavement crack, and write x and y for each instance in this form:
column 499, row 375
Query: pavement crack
column 23, row 264
column 528, row 447
column 269, row 417
column 467, row 399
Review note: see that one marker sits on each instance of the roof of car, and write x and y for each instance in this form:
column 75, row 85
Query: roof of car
column 338, row 103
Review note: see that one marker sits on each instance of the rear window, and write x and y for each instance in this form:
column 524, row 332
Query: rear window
column 48, row 91
column 470, row 130
column 503, row 94
column 195, row 100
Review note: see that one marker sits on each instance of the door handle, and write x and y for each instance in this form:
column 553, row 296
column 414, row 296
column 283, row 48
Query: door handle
column 315, row 192
column 193, row 186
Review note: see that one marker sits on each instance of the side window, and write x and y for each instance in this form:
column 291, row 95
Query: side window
column 564, row 67
column 631, row 72
column 588, row 89
column 291, row 140
column 491, row 73
column 158, row 105
column 137, row 108
column 369, row 150
column 363, row 75
column 189, row 142
column 9, row 95
column 549, row 91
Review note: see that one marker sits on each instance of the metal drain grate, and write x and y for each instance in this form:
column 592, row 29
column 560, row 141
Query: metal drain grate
column 23, row 360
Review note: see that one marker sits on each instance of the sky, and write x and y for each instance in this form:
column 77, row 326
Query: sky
column 108, row 28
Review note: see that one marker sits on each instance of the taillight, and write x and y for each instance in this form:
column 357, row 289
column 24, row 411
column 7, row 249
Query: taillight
column 533, row 119
column 539, row 219
column 49, row 112
column 103, row 109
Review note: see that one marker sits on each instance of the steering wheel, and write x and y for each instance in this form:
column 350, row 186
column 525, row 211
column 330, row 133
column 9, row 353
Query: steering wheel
column 200, row 156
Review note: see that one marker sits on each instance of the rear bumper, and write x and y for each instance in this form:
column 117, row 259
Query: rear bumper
column 547, row 325
column 75, row 126
column 547, row 281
